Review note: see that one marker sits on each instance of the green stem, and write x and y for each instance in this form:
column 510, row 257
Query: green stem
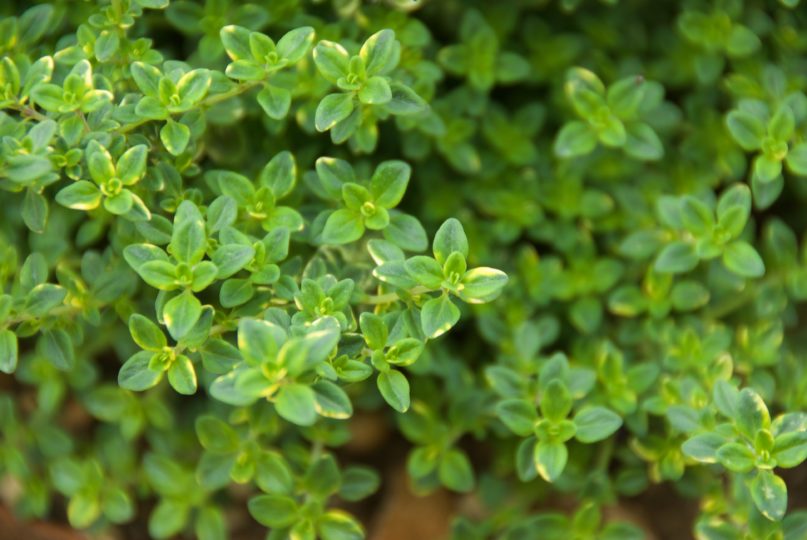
column 388, row 298
column 207, row 102
column 29, row 112
column 55, row 312
column 735, row 301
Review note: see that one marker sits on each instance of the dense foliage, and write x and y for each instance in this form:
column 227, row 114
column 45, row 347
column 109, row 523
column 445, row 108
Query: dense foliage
column 230, row 228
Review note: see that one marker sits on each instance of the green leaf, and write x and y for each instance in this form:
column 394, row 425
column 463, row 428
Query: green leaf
column 295, row 44
column 43, row 298
column 518, row 415
column 406, row 232
column 182, row 376
column 27, row 168
column 119, row 204
column 132, row 164
column 280, row 174
column 8, row 351
column 297, row 403
column 394, row 388
column 575, row 138
column 625, row 96
column 332, row 401
column 81, row 195
column 374, row 330
column 790, row 449
column 146, row 77
column 236, row 41
column 405, row 101
column 747, row 129
column 676, row 258
column 438, row 316
column 595, row 424
column 151, row 108
column 168, row 518
column 696, row 217
column 333, row 109
column 358, row 483
column 769, row 493
column 389, row 182
column 767, row 168
column 405, row 352
column 343, row 227
column 259, row 340
column 231, row 258
column 192, row 87
column 274, row 101
column 338, row 525
column 83, row 509
column 221, row 213
column 323, row 477
column 751, row 413
column 135, row 374
column 216, row 435
column 782, row 124
column 204, row 273
column 117, row 506
column 57, row 347
column 146, row 334
column 450, row 237
column 734, row 208
column 703, row 447
column 99, row 163
column 159, row 274
column 210, row 523
column 550, row 459
column 482, row 284
column 380, row 52
column 455, row 472
column 736, row 457
column 188, row 240
column 35, row 211
column 425, row 271
column 48, row 96
column 331, row 60
column 376, row 91
column 556, row 401
column 742, row 259
column 106, row 45
column 175, row 137
column 797, row 159
column 235, row 292
column 181, row 313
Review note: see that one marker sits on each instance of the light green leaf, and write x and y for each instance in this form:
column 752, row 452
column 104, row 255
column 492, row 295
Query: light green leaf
column 394, row 388
column 182, row 376
column 438, row 316
column 297, row 403
column 742, row 259
column 343, row 226
column 333, row 109
column 550, row 459
column 181, row 313
column 175, row 137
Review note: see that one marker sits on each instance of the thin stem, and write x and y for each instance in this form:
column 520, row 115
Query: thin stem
column 388, row 298
column 55, row 312
column 733, row 302
column 239, row 89
column 87, row 128
column 29, row 112
column 207, row 102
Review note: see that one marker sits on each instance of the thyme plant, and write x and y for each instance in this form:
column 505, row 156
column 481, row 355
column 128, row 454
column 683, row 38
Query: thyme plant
column 554, row 245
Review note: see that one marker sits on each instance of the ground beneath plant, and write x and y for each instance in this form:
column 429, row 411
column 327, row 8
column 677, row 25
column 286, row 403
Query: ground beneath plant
column 395, row 513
